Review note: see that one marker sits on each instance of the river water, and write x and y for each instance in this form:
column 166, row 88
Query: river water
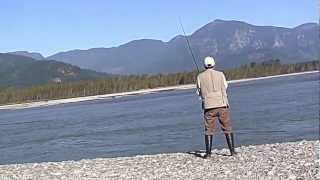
column 264, row 111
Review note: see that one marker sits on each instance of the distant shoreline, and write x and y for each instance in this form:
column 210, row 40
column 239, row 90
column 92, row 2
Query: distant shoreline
column 142, row 91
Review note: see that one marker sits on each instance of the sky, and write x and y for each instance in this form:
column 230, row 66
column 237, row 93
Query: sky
column 51, row 26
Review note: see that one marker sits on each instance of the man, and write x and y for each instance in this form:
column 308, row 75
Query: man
column 212, row 86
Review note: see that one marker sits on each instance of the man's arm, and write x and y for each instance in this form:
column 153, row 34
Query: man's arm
column 225, row 81
column 199, row 90
column 198, row 86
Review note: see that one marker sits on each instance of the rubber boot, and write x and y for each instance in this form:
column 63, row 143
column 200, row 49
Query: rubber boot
column 230, row 142
column 208, row 141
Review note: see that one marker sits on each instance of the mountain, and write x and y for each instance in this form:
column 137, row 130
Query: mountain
column 34, row 55
column 232, row 43
column 16, row 70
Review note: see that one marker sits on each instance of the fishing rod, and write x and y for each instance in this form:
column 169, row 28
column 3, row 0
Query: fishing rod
column 189, row 46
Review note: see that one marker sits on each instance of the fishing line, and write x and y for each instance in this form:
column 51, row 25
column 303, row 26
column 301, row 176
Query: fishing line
column 189, row 46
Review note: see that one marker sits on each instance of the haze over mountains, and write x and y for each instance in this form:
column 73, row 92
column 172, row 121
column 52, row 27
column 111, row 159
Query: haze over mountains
column 33, row 55
column 17, row 70
column 232, row 43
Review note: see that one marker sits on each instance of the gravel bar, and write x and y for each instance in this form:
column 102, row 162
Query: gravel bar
column 292, row 160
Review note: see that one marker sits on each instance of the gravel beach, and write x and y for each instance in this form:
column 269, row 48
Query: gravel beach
column 292, row 160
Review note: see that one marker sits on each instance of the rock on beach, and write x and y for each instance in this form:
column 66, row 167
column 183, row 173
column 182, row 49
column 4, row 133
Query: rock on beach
column 292, row 160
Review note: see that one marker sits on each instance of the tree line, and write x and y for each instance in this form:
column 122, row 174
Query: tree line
column 118, row 84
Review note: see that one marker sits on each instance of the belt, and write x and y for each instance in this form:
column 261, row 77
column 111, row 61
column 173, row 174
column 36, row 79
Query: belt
column 215, row 108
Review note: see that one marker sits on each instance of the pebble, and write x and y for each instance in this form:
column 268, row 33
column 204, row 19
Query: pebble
column 292, row 160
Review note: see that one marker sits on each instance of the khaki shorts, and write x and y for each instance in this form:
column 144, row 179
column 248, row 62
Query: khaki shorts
column 212, row 115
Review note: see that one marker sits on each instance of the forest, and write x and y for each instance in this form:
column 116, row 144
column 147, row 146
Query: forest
column 127, row 83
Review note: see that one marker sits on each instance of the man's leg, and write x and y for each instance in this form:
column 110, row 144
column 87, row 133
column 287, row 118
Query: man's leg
column 224, row 119
column 210, row 117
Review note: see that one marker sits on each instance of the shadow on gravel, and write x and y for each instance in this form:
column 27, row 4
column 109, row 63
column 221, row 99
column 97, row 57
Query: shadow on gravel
column 222, row 154
column 201, row 153
column 197, row 153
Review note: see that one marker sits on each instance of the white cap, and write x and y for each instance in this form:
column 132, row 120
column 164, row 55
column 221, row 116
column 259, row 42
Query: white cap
column 209, row 62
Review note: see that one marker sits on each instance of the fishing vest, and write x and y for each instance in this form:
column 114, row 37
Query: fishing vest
column 212, row 89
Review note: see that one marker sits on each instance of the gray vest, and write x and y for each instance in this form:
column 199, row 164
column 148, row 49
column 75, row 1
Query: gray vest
column 211, row 84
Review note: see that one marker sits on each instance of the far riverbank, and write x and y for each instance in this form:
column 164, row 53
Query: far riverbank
column 142, row 91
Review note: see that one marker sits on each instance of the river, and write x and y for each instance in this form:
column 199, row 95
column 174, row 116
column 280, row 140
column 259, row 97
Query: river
column 265, row 111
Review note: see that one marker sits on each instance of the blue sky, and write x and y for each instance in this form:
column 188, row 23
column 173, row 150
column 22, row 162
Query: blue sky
column 59, row 25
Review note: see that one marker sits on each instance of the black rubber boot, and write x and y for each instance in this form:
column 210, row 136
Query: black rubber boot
column 230, row 142
column 208, row 141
